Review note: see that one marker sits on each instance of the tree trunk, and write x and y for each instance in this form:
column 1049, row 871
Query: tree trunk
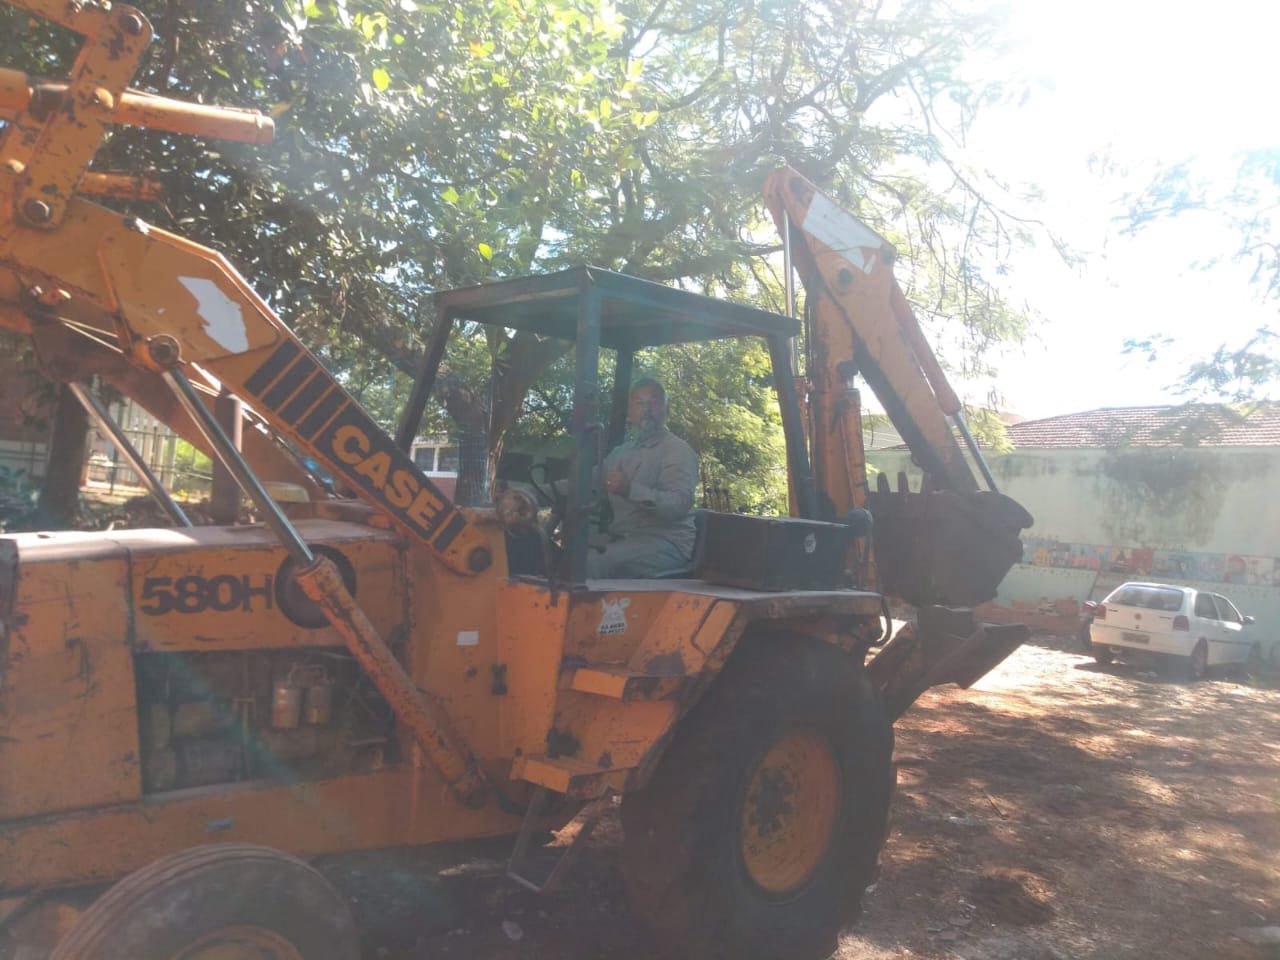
column 481, row 414
column 467, row 408
column 60, row 492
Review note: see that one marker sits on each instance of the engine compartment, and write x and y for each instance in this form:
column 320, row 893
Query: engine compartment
column 217, row 718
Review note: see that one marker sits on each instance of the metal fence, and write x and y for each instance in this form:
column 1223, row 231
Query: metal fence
column 158, row 448
column 26, row 459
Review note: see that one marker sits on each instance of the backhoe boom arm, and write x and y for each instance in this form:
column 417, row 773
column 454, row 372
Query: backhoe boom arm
column 950, row 543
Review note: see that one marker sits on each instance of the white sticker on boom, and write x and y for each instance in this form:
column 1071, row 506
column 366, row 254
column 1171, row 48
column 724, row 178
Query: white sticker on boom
column 844, row 233
column 613, row 619
column 223, row 321
column 468, row 638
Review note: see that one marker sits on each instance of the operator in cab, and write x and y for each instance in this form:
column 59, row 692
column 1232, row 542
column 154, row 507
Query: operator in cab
column 650, row 480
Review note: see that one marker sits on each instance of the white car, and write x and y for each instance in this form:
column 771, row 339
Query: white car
column 1187, row 628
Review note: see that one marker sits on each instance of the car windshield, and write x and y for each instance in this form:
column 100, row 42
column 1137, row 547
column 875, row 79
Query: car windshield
column 1150, row 598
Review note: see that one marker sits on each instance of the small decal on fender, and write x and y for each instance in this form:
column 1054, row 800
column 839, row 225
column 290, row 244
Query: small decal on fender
column 613, row 619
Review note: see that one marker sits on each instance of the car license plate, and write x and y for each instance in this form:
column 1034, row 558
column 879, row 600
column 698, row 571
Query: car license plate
column 1135, row 638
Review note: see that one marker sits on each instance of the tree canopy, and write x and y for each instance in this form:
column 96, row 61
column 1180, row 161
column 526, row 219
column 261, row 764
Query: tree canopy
column 1245, row 371
column 424, row 145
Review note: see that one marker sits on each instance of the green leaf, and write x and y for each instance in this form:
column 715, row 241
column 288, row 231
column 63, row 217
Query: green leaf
column 485, row 250
column 606, row 108
column 450, row 195
column 381, row 79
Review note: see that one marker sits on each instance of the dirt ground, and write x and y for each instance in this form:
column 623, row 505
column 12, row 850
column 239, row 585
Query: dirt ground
column 1058, row 810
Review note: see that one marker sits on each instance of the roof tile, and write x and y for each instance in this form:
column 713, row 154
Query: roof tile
column 1208, row 425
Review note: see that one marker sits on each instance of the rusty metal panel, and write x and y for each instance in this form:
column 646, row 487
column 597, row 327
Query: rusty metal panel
column 605, row 627
column 608, row 734
column 83, row 115
column 453, row 646
column 402, row 806
column 227, row 588
column 68, row 725
column 8, row 588
column 528, row 653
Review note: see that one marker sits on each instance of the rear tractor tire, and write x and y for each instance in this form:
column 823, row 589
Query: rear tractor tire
column 233, row 901
column 763, row 822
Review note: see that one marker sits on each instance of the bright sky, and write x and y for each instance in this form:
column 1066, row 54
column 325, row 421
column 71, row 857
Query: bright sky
column 1146, row 83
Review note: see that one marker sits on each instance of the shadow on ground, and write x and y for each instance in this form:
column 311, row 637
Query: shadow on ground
column 1058, row 810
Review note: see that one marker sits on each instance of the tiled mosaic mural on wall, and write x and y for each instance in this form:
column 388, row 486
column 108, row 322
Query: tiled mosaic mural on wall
column 1135, row 562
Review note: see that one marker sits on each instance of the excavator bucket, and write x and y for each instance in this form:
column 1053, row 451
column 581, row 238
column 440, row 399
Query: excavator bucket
column 945, row 547
column 943, row 645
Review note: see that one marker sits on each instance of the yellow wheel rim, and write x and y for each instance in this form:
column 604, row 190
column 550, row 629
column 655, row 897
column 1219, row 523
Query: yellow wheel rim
column 789, row 815
column 240, row 943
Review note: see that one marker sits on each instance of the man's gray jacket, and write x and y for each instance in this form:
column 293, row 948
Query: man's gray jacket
column 652, row 530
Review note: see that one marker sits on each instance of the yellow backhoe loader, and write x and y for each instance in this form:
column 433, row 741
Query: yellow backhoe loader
column 189, row 713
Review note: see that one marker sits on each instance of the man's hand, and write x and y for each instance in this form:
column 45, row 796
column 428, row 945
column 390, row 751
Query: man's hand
column 616, row 482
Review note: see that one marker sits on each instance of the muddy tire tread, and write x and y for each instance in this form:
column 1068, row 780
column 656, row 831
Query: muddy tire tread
column 89, row 938
column 666, row 825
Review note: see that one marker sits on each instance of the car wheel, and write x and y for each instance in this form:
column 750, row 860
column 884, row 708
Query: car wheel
column 1103, row 655
column 1197, row 665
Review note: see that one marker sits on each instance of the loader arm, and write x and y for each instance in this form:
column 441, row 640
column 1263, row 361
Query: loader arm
column 66, row 353
column 952, row 543
column 154, row 301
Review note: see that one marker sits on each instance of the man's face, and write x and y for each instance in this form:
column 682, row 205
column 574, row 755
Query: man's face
column 647, row 410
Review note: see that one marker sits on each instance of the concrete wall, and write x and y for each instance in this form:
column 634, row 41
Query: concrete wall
column 1204, row 516
column 1201, row 500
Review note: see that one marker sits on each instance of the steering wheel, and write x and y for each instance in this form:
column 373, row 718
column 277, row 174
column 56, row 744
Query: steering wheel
column 553, row 526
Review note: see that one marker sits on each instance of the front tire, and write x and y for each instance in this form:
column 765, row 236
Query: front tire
column 233, row 901
column 763, row 823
